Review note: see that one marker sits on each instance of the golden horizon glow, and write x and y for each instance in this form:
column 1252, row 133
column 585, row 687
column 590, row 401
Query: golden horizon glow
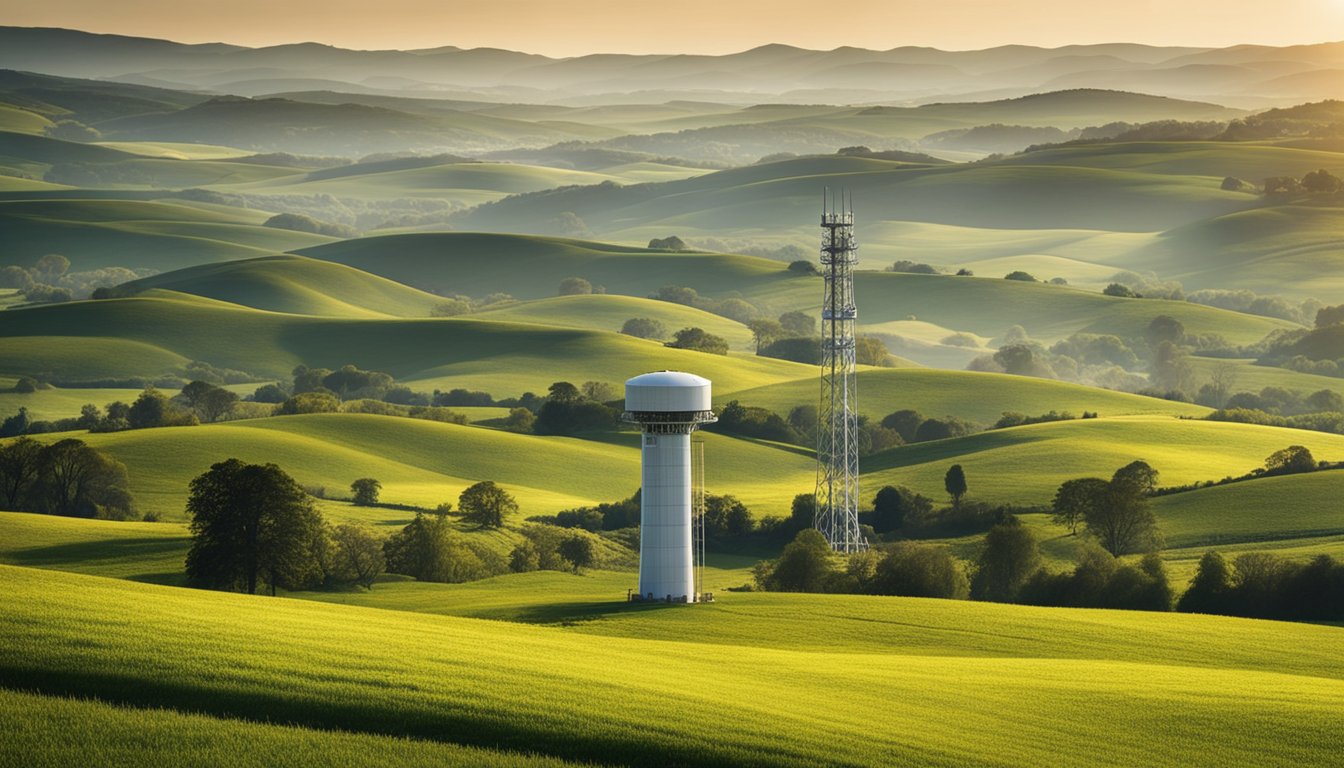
column 692, row 26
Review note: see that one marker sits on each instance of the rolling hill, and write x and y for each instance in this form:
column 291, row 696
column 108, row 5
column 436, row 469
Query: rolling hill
column 504, row 359
column 1118, row 674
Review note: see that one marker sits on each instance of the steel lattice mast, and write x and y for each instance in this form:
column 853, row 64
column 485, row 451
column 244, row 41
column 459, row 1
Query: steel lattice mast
column 837, row 499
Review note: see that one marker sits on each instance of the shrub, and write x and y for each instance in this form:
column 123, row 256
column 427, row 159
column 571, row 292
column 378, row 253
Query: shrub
column 309, row 402
column 919, row 570
column 699, row 340
column 644, row 328
column 1020, row 275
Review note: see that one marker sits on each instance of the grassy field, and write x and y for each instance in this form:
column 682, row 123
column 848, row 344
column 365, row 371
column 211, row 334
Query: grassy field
column 296, row 285
column 935, row 670
column 504, row 359
column 1272, row 508
column 1027, row 464
column 97, row 233
column 427, row 463
column 977, row 397
column 532, row 267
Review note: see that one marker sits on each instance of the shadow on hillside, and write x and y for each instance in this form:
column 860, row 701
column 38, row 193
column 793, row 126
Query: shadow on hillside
column 90, row 556
column 571, row 614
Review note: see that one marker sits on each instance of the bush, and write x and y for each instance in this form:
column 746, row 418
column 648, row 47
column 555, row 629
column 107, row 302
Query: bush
column 798, row 350
column 1020, row 275
column 919, row 570
column 644, row 328
column 699, row 340
column 1121, row 291
column 672, row 243
column 805, row 565
column 911, row 267
column 298, row 222
column 803, row 267
column 575, row 286
column 309, row 402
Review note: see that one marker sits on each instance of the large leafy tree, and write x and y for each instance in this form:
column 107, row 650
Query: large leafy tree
column 75, row 479
column 1123, row 522
column 19, row 462
column 1075, row 499
column 955, row 484
column 252, row 523
column 486, row 504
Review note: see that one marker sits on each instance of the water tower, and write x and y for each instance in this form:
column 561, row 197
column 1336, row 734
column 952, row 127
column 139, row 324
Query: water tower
column 668, row 406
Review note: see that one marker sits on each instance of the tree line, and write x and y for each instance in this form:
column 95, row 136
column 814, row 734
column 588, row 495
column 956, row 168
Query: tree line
column 67, row 477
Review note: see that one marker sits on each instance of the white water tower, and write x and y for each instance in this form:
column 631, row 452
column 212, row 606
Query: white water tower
column 668, row 406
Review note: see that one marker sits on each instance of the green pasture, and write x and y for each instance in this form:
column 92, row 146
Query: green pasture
column 1121, row 676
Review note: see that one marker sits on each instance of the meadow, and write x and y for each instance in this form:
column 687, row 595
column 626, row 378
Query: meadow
column 498, row 685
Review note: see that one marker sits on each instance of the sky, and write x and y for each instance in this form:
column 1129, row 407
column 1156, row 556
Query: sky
column 576, row 27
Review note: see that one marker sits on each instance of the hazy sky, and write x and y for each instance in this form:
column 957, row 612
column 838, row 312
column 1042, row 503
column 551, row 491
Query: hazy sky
column 564, row 28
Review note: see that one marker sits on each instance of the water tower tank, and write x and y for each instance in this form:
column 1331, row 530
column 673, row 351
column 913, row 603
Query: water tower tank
column 668, row 406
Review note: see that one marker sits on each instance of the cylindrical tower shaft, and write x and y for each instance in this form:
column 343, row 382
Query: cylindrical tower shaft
column 668, row 406
column 666, row 566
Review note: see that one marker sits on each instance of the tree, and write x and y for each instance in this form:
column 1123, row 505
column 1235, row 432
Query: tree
column 726, row 517
column 451, row 308
column 1164, row 328
column 20, row 462
column 520, row 420
column 1075, row 499
column 797, row 349
column 798, row 323
column 805, row 565
column 1010, row 556
column 1171, row 369
column 1121, row 291
column 16, row 424
column 894, row 507
column 252, row 523
column 644, row 328
column 428, row 549
column 1322, row 182
column 15, row 277
column 77, row 480
column 764, row 332
column 599, row 391
column 955, row 483
column 486, row 504
column 563, row 392
column 905, row 422
column 1294, row 458
column 1019, row 360
column 1328, row 316
column 524, row 557
column 366, row 491
column 1025, row 277
column 803, row 511
column 309, row 402
column 1123, row 522
column 699, row 340
column 869, row 350
column 356, row 555
column 51, row 268
column 1209, row 590
column 150, row 409
column 803, row 267
column 920, row 570
column 269, row 393
column 670, row 243
column 575, row 286
column 578, row 550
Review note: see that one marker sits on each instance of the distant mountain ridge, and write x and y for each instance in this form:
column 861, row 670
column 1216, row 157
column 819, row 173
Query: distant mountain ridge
column 1245, row 76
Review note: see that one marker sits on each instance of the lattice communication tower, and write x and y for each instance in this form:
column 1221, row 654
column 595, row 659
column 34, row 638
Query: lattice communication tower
column 837, row 497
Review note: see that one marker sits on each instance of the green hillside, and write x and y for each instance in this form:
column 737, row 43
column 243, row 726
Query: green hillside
column 295, row 285
column 96, row 233
column 1027, row 464
column 468, row 183
column 978, row 397
column 494, row 685
column 1273, row 508
column 608, row 312
column 532, row 267
column 1291, row 249
column 426, row 463
column 504, row 359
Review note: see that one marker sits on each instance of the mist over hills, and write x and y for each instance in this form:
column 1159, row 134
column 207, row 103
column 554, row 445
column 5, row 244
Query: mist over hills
column 1247, row 76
